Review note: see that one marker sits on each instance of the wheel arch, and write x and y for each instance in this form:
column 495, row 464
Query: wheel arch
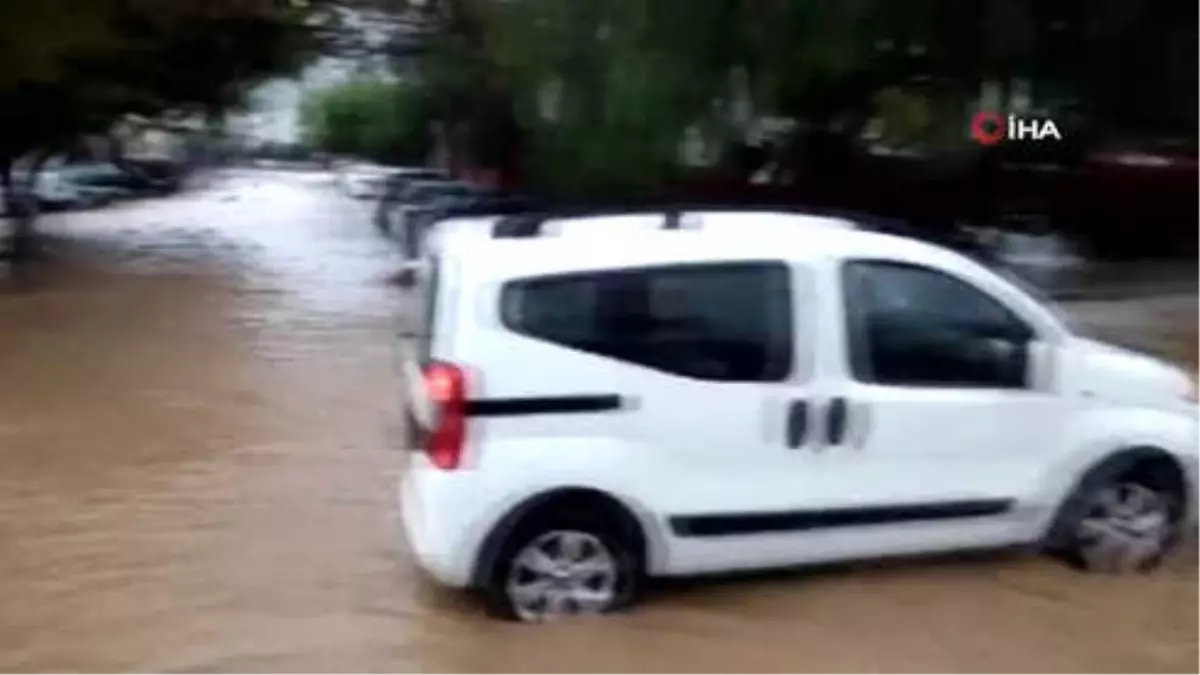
column 1147, row 459
column 632, row 519
column 1143, row 457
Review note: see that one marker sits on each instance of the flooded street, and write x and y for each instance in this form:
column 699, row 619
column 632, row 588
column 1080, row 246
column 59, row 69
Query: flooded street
column 198, row 451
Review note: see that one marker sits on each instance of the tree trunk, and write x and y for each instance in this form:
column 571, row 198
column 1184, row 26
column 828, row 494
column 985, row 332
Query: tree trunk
column 21, row 200
column 10, row 206
column 116, row 150
column 16, row 203
column 20, row 241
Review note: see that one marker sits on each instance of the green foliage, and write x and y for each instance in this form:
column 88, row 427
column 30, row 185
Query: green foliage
column 70, row 67
column 603, row 92
column 602, row 88
column 375, row 119
column 913, row 117
column 596, row 96
column 904, row 118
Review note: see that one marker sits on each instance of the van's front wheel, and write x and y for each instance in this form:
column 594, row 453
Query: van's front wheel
column 1120, row 525
column 560, row 570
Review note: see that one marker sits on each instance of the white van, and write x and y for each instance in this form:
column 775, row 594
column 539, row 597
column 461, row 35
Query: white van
column 586, row 412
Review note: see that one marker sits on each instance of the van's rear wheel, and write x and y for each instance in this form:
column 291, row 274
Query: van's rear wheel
column 555, row 570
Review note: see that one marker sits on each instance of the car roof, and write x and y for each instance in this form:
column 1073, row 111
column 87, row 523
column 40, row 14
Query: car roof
column 637, row 240
column 413, row 171
column 437, row 184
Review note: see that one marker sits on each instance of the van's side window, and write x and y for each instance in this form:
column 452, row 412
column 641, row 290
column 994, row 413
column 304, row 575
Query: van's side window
column 724, row 322
column 915, row 326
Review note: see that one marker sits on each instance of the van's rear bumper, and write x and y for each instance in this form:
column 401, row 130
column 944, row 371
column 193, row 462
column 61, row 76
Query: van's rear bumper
column 435, row 533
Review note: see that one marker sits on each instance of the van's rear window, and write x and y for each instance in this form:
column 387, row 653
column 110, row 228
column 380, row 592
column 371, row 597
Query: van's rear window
column 729, row 322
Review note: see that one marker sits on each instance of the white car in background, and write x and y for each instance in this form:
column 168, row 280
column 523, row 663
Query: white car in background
column 589, row 410
column 371, row 181
column 363, row 181
column 55, row 191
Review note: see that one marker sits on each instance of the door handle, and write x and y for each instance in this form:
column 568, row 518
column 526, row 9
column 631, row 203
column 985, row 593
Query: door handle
column 835, row 421
column 797, row 424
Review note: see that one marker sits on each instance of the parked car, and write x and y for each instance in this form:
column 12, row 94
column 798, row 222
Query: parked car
column 165, row 176
column 394, row 190
column 106, row 194
column 483, row 203
column 394, row 218
column 111, row 176
column 365, row 184
column 374, row 182
column 398, row 185
column 80, row 177
column 423, row 220
column 341, row 169
column 476, row 202
column 54, row 191
column 585, row 415
column 349, row 173
column 400, row 179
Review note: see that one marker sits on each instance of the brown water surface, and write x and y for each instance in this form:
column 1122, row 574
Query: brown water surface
column 197, row 459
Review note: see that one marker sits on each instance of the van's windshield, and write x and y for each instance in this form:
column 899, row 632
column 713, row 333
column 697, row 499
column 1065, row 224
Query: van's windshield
column 1040, row 294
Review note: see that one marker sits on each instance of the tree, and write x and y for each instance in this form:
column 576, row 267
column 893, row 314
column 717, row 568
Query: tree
column 64, row 79
column 581, row 85
column 377, row 119
column 608, row 89
column 595, row 97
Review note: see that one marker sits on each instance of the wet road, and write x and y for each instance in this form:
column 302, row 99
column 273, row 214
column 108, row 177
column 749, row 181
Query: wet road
column 197, row 432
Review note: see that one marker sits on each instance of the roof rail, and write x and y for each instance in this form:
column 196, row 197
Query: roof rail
column 530, row 223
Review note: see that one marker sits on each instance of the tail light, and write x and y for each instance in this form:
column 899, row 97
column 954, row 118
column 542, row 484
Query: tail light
column 446, row 387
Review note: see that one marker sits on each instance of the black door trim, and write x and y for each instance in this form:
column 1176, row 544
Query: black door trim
column 543, row 405
column 725, row 524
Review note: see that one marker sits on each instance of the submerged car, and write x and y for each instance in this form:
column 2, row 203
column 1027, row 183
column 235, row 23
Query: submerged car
column 53, row 190
column 118, row 181
column 378, row 182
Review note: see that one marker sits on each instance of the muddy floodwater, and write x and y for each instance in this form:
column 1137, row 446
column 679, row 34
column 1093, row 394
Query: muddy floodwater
column 198, row 453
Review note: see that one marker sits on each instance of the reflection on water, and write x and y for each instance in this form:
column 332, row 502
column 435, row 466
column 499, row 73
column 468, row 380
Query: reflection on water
column 197, row 435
